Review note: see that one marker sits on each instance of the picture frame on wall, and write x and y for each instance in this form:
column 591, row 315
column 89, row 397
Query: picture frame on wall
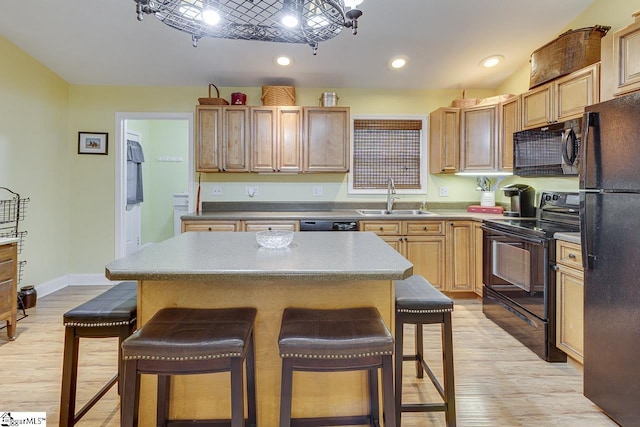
column 93, row 142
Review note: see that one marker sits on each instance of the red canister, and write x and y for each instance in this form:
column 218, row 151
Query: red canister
column 238, row 98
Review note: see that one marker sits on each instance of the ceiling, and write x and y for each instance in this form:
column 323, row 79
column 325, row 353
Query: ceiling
column 92, row 42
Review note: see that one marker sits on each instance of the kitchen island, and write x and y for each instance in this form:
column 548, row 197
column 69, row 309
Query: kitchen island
column 229, row 269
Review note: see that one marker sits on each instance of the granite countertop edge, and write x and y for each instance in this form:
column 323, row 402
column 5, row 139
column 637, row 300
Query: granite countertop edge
column 568, row 237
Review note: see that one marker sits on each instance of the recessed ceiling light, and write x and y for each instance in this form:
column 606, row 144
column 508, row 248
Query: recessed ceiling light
column 352, row 3
column 398, row 62
column 492, row 61
column 284, row 61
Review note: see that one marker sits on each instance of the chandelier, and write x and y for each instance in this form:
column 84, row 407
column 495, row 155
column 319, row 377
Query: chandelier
column 288, row 21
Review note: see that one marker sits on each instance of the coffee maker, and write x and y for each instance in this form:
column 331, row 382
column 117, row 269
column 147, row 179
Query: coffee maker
column 522, row 200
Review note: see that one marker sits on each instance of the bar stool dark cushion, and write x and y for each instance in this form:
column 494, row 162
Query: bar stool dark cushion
column 419, row 303
column 184, row 341
column 110, row 314
column 337, row 340
column 354, row 332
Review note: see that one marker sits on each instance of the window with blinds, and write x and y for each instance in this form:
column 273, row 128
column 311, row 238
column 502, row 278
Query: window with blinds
column 387, row 148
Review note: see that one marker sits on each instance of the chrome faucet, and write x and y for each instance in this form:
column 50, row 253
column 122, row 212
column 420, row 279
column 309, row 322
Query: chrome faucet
column 391, row 197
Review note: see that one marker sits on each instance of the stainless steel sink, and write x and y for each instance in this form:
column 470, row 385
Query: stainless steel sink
column 407, row 212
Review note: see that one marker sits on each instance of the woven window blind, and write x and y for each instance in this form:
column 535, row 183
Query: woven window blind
column 384, row 149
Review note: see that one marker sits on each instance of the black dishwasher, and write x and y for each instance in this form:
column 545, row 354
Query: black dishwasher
column 327, row 225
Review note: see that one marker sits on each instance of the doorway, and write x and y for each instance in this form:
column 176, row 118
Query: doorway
column 156, row 159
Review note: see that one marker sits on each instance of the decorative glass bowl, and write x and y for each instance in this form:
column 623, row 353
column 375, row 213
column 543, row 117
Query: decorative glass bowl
column 274, row 239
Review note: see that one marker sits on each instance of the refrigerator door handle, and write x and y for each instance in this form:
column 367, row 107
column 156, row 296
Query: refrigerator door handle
column 585, row 236
column 590, row 120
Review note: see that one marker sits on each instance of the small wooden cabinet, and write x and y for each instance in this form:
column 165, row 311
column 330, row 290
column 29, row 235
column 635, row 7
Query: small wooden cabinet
column 8, row 287
column 444, row 140
column 479, row 138
column 326, row 139
column 421, row 242
column 222, row 138
column 569, row 300
column 561, row 99
column 276, row 139
column 478, row 259
column 211, row 225
column 259, row 225
column 626, row 57
column 509, row 122
column 460, row 255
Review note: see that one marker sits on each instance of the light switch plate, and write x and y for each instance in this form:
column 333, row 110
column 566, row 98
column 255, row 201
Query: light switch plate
column 443, row 191
column 318, row 190
column 216, row 191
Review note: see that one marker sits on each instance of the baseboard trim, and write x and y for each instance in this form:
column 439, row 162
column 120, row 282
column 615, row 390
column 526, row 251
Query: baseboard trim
column 54, row 285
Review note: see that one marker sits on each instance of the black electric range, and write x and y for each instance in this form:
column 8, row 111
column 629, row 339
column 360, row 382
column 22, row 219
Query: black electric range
column 518, row 271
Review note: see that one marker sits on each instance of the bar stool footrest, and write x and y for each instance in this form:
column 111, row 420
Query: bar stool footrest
column 424, row 407
column 204, row 423
column 90, row 404
column 332, row 421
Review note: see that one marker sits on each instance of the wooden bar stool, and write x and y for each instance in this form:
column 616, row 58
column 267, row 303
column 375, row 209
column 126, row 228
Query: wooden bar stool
column 184, row 341
column 109, row 315
column 419, row 303
column 337, row 340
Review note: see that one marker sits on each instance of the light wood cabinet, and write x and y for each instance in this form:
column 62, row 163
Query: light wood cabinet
column 276, row 139
column 478, row 258
column 570, row 300
column 213, row 225
column 444, row 140
column 509, row 122
column 479, row 138
column 8, row 287
column 626, row 57
column 460, row 255
column 423, row 243
column 561, row 99
column 222, row 138
column 255, row 225
column 326, row 139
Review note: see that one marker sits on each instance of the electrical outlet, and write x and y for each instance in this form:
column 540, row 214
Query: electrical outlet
column 443, row 191
column 216, row 191
column 318, row 190
column 251, row 191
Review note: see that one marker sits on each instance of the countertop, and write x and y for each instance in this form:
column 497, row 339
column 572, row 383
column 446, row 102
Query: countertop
column 339, row 215
column 8, row 240
column 568, row 237
column 237, row 256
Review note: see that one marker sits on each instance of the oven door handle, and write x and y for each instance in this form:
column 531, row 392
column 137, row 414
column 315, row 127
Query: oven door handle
column 515, row 236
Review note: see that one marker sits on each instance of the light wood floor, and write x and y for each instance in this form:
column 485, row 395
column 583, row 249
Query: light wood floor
column 499, row 382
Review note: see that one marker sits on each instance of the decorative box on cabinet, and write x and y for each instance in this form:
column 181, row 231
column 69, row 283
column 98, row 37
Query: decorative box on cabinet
column 626, row 57
column 326, row 139
column 569, row 300
column 561, row 99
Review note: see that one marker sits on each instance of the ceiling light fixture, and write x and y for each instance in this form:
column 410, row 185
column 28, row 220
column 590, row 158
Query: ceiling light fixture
column 264, row 20
column 492, row 61
column 283, row 61
column 398, row 62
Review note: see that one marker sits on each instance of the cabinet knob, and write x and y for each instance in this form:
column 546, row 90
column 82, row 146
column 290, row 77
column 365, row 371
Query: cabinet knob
column 381, row 228
column 424, row 228
column 209, row 228
column 572, row 256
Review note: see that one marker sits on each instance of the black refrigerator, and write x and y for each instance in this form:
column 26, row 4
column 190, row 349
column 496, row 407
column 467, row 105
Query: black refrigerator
column 610, row 234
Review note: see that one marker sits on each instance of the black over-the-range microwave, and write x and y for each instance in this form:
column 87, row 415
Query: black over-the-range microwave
column 552, row 150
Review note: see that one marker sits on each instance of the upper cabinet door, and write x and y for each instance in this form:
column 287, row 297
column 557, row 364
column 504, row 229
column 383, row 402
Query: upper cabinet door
column 264, row 136
column 626, row 57
column 326, row 139
column 236, row 138
column 509, row 123
column 290, row 139
column 537, row 106
column 208, row 136
column 444, row 140
column 576, row 91
column 479, row 138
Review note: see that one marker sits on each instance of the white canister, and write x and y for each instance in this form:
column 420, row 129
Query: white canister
column 488, row 198
column 329, row 99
